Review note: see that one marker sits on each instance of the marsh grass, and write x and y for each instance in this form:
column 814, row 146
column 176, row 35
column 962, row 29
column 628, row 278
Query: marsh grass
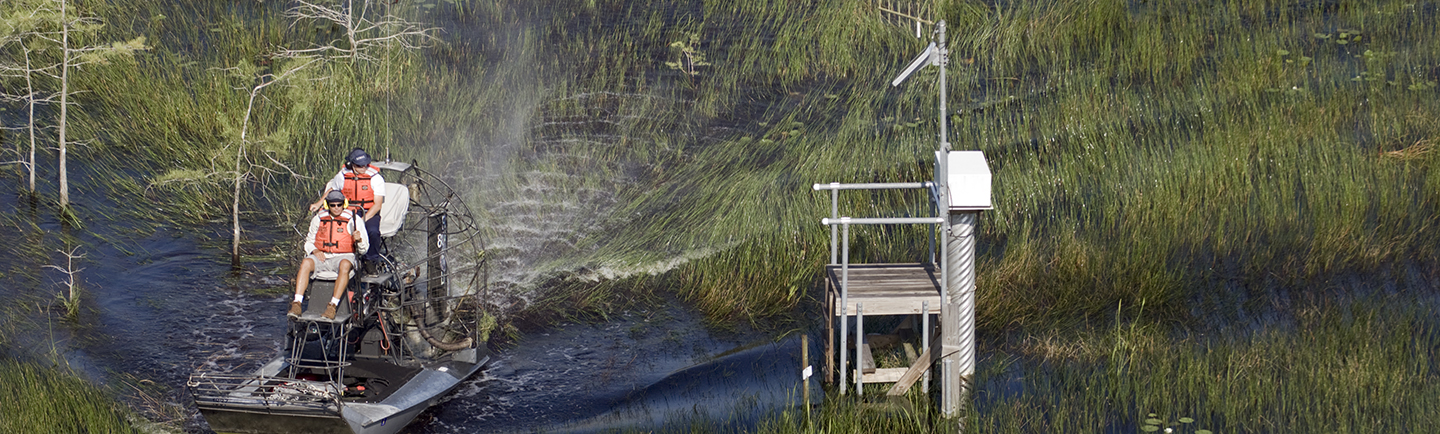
column 1364, row 363
column 1153, row 154
column 1134, row 146
column 40, row 399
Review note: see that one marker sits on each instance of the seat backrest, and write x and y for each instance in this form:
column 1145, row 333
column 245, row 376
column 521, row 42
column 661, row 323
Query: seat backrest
column 397, row 204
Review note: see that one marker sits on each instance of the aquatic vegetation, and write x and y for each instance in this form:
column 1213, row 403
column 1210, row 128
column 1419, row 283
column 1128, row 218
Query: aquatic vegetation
column 1183, row 154
column 39, row 399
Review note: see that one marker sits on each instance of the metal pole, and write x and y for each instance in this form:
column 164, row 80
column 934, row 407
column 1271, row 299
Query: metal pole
column 925, row 343
column 834, row 214
column 957, row 316
column 885, row 220
column 859, row 344
column 844, row 302
column 871, row 186
column 930, row 246
column 944, row 59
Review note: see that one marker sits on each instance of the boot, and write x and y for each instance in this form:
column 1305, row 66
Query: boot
column 294, row 309
column 329, row 311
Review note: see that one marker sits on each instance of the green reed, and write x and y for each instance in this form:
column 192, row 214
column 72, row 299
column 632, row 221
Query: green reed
column 42, row 399
column 1155, row 153
column 1362, row 363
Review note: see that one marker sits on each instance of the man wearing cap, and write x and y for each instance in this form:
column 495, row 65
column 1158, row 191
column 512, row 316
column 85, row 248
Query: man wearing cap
column 363, row 186
column 330, row 245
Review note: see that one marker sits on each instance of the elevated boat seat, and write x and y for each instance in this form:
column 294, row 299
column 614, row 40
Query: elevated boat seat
column 329, row 276
column 318, row 295
column 392, row 214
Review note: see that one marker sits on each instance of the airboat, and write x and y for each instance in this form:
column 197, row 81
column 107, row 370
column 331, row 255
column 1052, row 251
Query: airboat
column 403, row 337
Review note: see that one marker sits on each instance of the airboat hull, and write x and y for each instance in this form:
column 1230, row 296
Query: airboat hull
column 250, row 411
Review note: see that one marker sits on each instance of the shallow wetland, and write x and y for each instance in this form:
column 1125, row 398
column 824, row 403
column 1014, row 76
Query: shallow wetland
column 1209, row 216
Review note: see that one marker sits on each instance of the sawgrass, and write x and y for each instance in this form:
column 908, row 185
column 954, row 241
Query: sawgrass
column 39, row 399
column 1157, row 154
column 1335, row 364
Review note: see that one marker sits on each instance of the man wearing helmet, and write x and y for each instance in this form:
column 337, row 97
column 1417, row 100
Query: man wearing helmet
column 330, row 246
column 363, row 186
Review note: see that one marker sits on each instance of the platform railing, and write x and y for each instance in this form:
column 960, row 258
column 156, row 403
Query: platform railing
column 842, row 256
column 263, row 394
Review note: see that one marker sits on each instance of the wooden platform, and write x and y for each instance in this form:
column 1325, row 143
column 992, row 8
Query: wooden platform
column 885, row 289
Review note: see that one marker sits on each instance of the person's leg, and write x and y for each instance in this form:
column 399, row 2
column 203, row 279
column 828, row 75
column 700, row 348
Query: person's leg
column 341, row 281
column 302, row 282
column 372, row 230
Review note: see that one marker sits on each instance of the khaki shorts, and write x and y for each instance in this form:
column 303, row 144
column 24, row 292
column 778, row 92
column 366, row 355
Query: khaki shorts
column 330, row 267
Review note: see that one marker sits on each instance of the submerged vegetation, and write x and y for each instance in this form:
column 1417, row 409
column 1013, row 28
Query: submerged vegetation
column 1234, row 167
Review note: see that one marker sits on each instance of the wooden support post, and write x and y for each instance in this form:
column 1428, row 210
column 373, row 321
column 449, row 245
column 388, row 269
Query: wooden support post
column 867, row 360
column 805, row 365
column 921, row 365
column 918, row 368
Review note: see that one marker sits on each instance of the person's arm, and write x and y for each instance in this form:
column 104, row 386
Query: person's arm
column 315, row 207
column 362, row 238
column 377, row 185
column 379, row 201
column 310, row 237
column 329, row 186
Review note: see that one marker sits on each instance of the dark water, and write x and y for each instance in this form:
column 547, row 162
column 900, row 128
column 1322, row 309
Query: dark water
column 166, row 305
column 639, row 371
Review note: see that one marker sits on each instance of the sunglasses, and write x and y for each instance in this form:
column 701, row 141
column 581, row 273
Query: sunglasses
column 332, row 205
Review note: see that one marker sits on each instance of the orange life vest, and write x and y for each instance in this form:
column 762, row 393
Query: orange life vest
column 333, row 236
column 357, row 188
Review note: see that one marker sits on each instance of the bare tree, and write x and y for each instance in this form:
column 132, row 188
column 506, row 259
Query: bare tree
column 47, row 25
column 18, row 26
column 363, row 35
column 71, row 298
column 261, row 83
column 245, row 167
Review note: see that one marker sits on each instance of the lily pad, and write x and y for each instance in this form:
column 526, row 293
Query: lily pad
column 1322, row 36
column 1283, row 52
column 1154, row 421
column 1187, row 420
column 1342, row 42
column 1149, row 428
